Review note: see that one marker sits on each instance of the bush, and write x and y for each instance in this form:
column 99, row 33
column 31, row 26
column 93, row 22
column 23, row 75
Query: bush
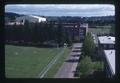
column 85, row 67
column 99, row 65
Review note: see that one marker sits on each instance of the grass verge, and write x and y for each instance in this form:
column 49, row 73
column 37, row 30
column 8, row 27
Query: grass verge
column 53, row 70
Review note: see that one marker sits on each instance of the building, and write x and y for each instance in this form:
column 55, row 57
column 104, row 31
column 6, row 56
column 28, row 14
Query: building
column 106, row 50
column 76, row 30
column 14, row 23
column 30, row 18
column 109, row 63
column 21, row 20
column 106, row 42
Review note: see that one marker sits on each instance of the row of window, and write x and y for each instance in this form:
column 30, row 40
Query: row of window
column 108, row 46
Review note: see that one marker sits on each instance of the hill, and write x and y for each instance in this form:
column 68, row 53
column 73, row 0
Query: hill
column 11, row 15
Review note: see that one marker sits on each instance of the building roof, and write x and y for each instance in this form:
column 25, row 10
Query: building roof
column 110, row 56
column 84, row 25
column 31, row 16
column 38, row 17
column 106, row 39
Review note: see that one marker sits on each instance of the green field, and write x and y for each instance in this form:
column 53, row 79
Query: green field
column 28, row 62
column 99, row 30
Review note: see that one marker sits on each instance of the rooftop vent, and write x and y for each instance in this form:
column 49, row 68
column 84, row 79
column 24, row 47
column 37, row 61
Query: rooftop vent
column 110, row 53
column 109, row 38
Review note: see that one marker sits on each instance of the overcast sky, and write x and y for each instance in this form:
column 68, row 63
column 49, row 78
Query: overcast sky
column 63, row 9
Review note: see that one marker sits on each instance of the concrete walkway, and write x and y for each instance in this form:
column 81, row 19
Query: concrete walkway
column 69, row 66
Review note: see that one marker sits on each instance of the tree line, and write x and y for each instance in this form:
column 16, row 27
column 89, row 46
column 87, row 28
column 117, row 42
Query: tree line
column 38, row 34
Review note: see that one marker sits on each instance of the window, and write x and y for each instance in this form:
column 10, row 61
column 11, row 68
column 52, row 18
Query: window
column 104, row 46
column 111, row 46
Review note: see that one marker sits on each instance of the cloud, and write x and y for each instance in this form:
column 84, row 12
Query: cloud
column 62, row 9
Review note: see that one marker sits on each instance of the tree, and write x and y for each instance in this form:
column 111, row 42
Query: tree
column 34, row 33
column 89, row 46
column 50, row 31
column 42, row 32
column 68, row 38
column 60, row 34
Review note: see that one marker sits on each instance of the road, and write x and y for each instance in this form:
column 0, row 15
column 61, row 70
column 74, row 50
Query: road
column 69, row 66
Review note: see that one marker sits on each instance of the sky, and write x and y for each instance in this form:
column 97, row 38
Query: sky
column 82, row 10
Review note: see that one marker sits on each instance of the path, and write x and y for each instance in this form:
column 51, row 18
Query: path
column 69, row 66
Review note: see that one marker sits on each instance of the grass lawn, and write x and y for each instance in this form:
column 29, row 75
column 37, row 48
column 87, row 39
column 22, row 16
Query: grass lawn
column 28, row 62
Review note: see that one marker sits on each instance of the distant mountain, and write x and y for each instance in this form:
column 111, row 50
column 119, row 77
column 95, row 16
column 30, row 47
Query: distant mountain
column 105, row 18
column 81, row 19
column 11, row 15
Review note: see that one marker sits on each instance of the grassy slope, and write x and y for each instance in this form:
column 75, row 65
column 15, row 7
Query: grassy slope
column 27, row 62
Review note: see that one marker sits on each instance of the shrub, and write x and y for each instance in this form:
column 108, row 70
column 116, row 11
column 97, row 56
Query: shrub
column 98, row 65
column 85, row 67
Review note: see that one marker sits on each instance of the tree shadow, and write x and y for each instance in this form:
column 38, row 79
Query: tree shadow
column 76, row 50
column 77, row 47
column 95, row 74
column 75, row 55
column 72, row 60
column 95, row 58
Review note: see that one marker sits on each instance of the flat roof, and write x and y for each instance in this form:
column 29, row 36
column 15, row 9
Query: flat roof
column 106, row 39
column 110, row 56
column 37, row 17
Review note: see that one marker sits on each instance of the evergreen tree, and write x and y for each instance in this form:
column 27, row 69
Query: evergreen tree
column 35, row 33
column 26, row 34
column 89, row 46
column 68, row 39
column 42, row 32
column 60, row 34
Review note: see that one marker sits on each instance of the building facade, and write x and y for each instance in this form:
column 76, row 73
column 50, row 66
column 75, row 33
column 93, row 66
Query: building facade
column 77, row 31
column 109, row 61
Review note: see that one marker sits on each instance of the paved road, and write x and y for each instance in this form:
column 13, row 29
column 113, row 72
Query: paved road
column 69, row 66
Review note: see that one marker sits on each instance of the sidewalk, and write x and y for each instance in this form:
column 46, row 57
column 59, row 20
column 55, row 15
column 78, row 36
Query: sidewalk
column 69, row 66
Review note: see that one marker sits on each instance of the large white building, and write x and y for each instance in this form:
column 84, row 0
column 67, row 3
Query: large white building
column 107, row 52
column 30, row 18
column 107, row 40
